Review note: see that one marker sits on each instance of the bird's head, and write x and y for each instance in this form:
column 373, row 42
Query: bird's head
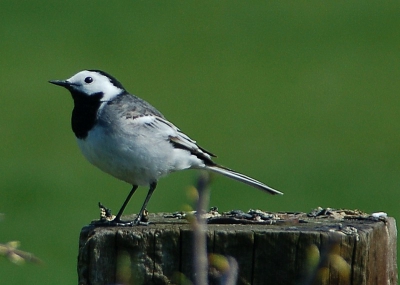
column 92, row 82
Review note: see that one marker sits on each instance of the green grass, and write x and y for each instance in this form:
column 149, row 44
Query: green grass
column 303, row 96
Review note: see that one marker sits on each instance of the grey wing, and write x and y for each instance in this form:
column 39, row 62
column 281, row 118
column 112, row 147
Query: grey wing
column 175, row 136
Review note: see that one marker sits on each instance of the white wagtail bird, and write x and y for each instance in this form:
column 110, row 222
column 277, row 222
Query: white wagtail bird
column 128, row 138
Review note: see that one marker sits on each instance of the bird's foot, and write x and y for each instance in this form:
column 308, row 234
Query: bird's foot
column 112, row 223
column 109, row 220
column 119, row 223
column 136, row 222
column 140, row 223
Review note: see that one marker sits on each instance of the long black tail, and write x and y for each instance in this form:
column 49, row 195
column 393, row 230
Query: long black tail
column 242, row 178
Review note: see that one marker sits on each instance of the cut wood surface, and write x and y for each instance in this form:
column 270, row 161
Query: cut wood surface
column 292, row 248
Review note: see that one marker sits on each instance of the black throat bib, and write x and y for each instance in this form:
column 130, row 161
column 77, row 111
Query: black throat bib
column 84, row 115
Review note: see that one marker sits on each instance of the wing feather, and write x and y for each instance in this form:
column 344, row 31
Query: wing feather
column 177, row 138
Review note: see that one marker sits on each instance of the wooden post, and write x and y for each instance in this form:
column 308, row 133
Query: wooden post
column 299, row 250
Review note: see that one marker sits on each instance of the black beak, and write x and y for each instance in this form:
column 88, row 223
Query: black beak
column 63, row 83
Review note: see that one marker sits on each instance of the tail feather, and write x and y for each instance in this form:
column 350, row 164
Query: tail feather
column 242, row 178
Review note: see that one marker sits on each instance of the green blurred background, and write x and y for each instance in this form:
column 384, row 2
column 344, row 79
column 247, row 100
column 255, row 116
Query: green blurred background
column 301, row 95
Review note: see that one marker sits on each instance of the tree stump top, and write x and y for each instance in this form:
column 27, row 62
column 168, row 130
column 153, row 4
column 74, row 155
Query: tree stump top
column 341, row 246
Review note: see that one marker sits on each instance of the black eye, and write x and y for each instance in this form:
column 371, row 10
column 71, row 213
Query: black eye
column 89, row 79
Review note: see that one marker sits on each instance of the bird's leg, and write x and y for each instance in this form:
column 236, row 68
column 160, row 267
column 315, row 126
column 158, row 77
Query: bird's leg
column 138, row 220
column 106, row 216
column 117, row 219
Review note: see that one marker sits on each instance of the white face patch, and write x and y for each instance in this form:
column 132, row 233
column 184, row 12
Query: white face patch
column 92, row 82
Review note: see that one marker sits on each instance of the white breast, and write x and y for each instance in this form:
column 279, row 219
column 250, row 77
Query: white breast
column 138, row 158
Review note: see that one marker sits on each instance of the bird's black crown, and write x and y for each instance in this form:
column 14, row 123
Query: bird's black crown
column 113, row 80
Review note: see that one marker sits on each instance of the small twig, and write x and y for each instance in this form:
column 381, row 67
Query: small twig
column 199, row 231
column 11, row 251
column 15, row 255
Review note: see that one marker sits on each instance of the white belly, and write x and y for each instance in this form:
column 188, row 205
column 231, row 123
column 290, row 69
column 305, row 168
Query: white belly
column 138, row 160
